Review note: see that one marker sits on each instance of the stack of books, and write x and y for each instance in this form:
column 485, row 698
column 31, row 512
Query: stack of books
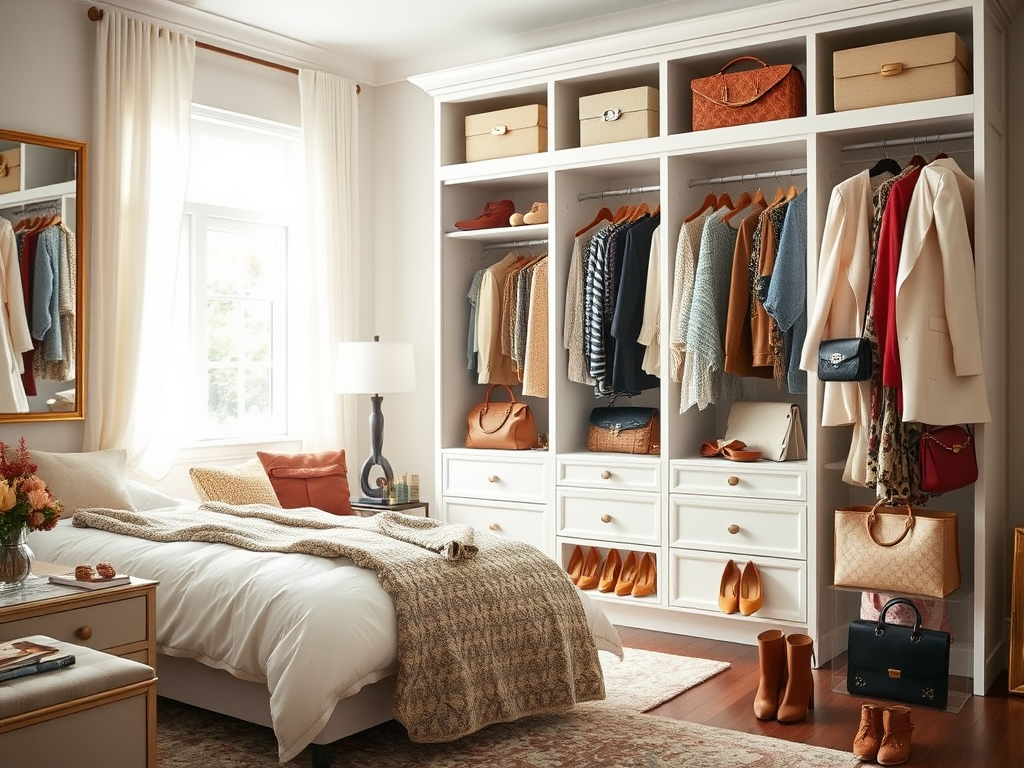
column 98, row 582
column 25, row 656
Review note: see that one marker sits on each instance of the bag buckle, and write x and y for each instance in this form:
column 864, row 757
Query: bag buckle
column 895, row 674
column 888, row 70
column 835, row 358
column 611, row 115
column 499, row 130
column 616, row 429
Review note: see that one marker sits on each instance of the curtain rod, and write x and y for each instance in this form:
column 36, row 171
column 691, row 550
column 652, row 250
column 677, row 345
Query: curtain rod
column 96, row 13
column 934, row 138
column 630, row 191
column 748, row 177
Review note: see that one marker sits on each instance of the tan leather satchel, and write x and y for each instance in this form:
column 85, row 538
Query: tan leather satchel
column 506, row 426
column 750, row 96
column 904, row 550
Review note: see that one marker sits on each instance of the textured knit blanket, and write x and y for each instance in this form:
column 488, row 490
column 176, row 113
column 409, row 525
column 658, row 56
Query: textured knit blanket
column 489, row 629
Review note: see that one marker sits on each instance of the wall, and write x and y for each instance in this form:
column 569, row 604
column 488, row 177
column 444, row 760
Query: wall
column 1015, row 256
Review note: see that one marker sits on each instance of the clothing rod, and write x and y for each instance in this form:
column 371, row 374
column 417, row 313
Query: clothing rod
column 934, row 138
column 516, row 244
column 609, row 193
column 96, row 13
column 908, row 156
column 748, row 177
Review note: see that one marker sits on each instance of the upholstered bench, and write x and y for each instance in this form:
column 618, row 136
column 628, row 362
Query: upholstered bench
column 98, row 713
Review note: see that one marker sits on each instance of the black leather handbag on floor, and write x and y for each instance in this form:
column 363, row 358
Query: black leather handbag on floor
column 891, row 661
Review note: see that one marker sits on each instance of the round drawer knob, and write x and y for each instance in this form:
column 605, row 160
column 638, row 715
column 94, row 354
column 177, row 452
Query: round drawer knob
column 492, row 479
column 606, row 518
column 494, row 527
column 83, row 633
column 734, row 529
column 733, row 480
column 605, row 474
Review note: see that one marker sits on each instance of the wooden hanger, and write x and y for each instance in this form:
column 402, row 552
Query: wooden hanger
column 603, row 215
column 743, row 201
column 639, row 211
column 724, row 201
column 710, row 202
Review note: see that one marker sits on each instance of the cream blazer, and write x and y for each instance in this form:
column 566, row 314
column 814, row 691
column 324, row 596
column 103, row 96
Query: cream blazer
column 844, row 268
column 936, row 307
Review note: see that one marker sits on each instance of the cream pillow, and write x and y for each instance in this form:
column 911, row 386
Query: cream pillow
column 94, row 479
column 245, row 483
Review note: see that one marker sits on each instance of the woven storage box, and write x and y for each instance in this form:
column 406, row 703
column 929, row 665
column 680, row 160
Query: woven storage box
column 507, row 132
column 931, row 67
column 10, row 171
column 631, row 113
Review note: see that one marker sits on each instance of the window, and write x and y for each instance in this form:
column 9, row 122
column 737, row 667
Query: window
column 241, row 255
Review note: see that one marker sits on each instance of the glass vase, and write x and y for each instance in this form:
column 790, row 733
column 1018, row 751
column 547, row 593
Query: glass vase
column 15, row 560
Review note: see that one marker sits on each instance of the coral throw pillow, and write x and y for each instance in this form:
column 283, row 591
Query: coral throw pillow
column 309, row 480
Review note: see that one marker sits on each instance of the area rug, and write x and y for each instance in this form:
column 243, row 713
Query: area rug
column 642, row 680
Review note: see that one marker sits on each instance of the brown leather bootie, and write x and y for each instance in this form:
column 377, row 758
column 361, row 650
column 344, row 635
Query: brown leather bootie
column 771, row 658
column 895, row 746
column 869, row 735
column 799, row 694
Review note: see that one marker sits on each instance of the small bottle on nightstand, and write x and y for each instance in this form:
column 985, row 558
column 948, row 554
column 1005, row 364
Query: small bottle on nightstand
column 414, row 487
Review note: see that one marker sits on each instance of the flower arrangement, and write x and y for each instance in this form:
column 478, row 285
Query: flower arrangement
column 25, row 502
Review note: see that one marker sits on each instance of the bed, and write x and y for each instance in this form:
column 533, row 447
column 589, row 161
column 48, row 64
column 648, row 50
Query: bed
column 278, row 648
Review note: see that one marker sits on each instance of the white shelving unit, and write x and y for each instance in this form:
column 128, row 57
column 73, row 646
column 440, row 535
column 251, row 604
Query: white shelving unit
column 646, row 497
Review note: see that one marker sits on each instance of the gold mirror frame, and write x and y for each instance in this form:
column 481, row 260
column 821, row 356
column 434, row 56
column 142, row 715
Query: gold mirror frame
column 81, row 307
column 1016, row 679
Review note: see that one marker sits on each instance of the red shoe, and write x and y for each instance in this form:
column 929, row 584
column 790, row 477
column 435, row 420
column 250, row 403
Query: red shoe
column 496, row 214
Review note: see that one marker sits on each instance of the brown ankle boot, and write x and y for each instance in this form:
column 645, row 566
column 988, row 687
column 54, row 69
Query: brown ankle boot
column 895, row 746
column 869, row 735
column 771, row 657
column 799, row 694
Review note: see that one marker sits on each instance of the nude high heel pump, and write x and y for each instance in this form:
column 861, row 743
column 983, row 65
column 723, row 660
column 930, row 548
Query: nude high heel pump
column 610, row 572
column 646, row 577
column 591, row 570
column 627, row 576
column 575, row 567
column 751, row 590
column 728, row 590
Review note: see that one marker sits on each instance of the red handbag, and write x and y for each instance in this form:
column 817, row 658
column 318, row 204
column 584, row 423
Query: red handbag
column 948, row 459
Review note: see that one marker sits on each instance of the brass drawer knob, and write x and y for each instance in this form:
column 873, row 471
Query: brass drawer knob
column 492, row 479
column 734, row 529
column 605, row 474
column 606, row 518
column 733, row 480
column 83, row 633
column 494, row 527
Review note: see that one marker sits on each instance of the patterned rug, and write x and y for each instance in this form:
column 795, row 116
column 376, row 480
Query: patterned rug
column 610, row 734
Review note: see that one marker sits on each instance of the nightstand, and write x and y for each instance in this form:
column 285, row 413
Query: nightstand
column 370, row 508
column 117, row 620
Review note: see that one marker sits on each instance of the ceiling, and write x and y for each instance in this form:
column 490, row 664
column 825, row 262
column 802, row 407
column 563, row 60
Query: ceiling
column 389, row 40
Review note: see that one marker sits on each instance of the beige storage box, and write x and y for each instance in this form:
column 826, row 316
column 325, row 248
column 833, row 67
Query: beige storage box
column 507, row 132
column 619, row 116
column 10, row 171
column 931, row 67
column 98, row 713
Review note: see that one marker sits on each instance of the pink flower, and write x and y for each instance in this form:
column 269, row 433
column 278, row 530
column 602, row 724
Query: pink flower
column 32, row 483
column 39, row 499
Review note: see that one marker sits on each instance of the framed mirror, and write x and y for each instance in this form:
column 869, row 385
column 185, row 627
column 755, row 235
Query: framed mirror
column 43, row 239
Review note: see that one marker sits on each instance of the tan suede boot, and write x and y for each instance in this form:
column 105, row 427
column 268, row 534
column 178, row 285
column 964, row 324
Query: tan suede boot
column 869, row 735
column 799, row 694
column 771, row 656
column 895, row 746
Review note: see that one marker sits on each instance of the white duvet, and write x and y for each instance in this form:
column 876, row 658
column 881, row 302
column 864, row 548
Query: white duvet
column 316, row 630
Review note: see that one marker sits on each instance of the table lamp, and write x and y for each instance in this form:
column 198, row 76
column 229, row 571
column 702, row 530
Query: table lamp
column 375, row 367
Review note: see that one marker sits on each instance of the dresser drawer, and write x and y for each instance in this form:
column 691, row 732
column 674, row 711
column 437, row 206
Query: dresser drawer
column 109, row 625
column 768, row 528
column 696, row 578
column 609, row 470
column 522, row 522
column 613, row 516
column 491, row 475
column 719, row 477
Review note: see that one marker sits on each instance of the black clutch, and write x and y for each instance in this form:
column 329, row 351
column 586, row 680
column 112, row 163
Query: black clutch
column 844, row 359
column 890, row 661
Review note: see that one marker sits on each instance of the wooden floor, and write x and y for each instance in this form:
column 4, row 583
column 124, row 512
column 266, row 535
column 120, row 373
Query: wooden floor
column 987, row 733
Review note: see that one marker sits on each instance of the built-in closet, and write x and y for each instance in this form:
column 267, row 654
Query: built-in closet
column 691, row 513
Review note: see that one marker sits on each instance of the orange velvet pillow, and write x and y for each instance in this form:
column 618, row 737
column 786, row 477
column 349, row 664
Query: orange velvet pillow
column 309, row 480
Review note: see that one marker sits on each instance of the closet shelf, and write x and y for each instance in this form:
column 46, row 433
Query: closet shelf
column 500, row 234
column 38, row 194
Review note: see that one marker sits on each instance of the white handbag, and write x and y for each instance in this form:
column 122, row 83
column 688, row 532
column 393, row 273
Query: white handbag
column 774, row 429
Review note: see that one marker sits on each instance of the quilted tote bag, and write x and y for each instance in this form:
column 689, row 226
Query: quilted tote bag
column 904, row 550
column 750, row 96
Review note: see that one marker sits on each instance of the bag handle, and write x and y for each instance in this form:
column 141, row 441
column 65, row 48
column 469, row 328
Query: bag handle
column 738, row 59
column 487, row 404
column 915, row 634
column 870, row 519
column 955, row 447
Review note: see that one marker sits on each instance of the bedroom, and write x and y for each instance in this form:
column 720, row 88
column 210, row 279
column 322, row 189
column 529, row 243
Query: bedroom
column 393, row 274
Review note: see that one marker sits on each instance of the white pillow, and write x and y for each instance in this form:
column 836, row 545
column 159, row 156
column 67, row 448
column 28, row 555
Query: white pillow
column 146, row 498
column 94, row 479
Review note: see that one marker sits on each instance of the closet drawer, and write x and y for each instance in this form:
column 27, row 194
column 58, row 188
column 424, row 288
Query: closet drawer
column 522, row 522
column 613, row 516
column 765, row 528
column 493, row 475
column 695, row 579
column 785, row 480
column 600, row 471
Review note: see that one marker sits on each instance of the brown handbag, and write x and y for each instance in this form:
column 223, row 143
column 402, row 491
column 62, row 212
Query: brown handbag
column 628, row 429
column 750, row 96
column 507, row 426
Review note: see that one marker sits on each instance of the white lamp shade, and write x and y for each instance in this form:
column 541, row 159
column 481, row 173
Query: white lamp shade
column 374, row 367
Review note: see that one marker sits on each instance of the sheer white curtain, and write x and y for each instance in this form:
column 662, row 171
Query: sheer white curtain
column 330, row 132
column 143, row 79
